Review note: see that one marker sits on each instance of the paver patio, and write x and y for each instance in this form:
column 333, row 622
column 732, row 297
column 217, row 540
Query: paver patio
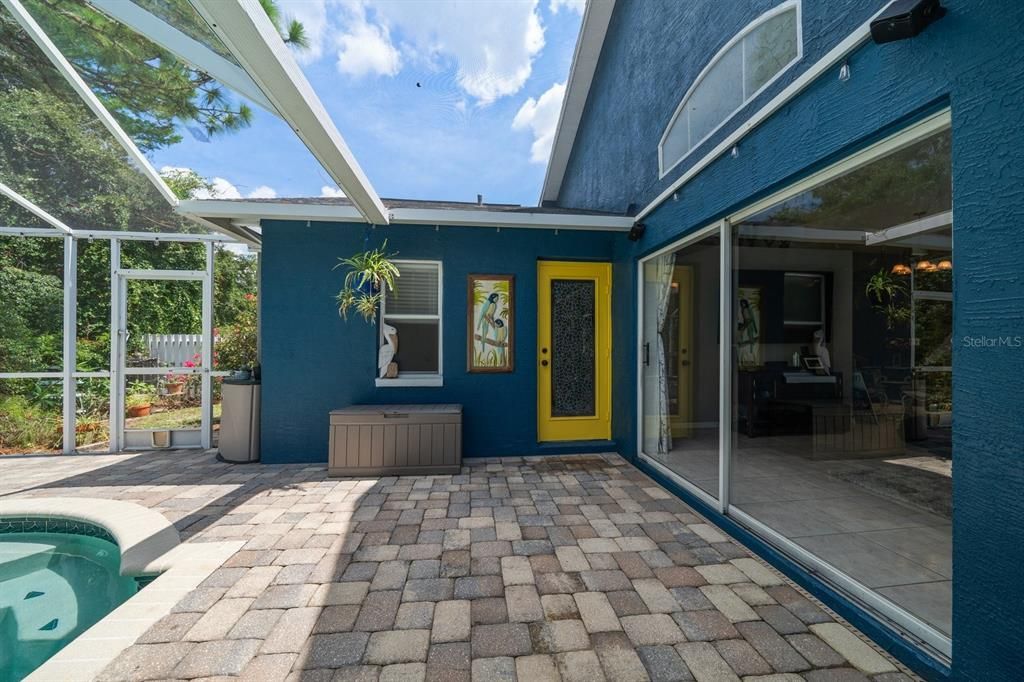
column 542, row 569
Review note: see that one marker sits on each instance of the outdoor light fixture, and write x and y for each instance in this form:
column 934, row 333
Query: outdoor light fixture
column 905, row 19
column 844, row 72
column 901, row 269
column 636, row 232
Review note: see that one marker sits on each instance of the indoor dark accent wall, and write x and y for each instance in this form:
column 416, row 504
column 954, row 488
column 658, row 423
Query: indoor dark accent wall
column 314, row 362
column 970, row 62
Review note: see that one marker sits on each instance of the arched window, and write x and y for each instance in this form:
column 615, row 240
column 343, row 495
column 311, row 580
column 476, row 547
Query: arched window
column 748, row 63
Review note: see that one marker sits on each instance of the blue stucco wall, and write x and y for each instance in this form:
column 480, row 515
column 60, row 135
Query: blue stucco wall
column 968, row 62
column 653, row 53
column 314, row 362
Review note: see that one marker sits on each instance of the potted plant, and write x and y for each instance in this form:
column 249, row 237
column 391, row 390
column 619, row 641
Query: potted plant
column 369, row 273
column 139, row 399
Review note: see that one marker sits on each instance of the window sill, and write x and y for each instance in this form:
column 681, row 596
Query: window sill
column 398, row 382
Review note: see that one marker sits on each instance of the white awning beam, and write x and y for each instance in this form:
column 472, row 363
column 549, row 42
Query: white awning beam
column 33, row 209
column 185, row 48
column 245, row 29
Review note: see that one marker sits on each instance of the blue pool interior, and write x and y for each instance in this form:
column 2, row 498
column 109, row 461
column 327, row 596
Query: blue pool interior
column 53, row 587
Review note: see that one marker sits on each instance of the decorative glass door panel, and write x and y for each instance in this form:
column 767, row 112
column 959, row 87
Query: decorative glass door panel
column 574, row 351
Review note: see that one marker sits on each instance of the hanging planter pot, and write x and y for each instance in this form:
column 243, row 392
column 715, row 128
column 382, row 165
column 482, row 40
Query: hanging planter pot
column 368, row 274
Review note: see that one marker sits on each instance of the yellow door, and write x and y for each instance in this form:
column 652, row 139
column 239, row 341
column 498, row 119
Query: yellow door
column 682, row 290
column 574, row 351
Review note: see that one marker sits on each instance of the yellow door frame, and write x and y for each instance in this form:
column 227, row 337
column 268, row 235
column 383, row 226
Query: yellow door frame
column 599, row 425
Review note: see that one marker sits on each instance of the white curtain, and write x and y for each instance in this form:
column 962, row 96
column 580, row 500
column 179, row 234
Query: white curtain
column 664, row 266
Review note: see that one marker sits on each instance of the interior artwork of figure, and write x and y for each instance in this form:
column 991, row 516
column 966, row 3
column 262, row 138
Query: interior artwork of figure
column 490, row 323
column 748, row 335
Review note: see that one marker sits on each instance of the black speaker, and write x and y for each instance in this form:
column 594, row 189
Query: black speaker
column 905, row 19
column 636, row 232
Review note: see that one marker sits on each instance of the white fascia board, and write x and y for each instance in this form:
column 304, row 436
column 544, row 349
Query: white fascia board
column 471, row 218
column 596, row 17
column 253, row 212
column 33, row 209
column 246, row 30
column 268, row 210
column 185, row 48
column 65, row 68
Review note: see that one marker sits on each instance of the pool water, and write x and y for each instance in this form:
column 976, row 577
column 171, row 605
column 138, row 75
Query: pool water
column 53, row 587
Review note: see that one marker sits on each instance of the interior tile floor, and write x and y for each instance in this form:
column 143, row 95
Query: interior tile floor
column 574, row 568
column 900, row 548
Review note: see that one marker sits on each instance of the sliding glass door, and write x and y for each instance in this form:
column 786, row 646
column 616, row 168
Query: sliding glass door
column 835, row 391
column 680, row 360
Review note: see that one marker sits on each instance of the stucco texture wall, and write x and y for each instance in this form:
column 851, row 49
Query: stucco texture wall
column 314, row 362
column 969, row 62
column 653, row 53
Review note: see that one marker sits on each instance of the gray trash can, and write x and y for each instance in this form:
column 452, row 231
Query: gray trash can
column 240, row 421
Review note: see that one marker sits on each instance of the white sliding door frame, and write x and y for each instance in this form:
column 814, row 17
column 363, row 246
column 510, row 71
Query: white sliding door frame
column 909, row 625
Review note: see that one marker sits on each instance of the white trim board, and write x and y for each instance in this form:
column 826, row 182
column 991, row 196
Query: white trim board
column 596, row 18
column 246, row 30
column 468, row 217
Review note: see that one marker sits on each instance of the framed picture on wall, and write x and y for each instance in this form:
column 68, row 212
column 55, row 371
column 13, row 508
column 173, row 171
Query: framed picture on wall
column 748, row 327
column 490, row 323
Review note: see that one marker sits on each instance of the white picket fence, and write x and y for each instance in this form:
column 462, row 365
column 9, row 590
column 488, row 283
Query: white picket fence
column 172, row 350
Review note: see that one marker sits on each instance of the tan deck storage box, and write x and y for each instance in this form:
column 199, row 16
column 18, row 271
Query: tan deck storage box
column 397, row 440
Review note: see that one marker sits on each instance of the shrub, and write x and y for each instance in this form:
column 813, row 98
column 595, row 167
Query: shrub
column 28, row 427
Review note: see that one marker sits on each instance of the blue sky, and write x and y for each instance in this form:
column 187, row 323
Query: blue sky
column 437, row 99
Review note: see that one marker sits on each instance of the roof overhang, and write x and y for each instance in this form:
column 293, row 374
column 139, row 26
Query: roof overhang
column 596, row 18
column 252, row 212
column 246, row 30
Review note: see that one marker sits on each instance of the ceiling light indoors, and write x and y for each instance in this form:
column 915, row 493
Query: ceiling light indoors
column 945, row 264
column 900, row 269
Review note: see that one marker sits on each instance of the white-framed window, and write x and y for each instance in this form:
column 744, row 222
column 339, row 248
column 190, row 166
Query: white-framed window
column 413, row 311
column 751, row 61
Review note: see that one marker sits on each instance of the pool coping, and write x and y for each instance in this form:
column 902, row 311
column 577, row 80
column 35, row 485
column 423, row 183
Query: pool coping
column 149, row 545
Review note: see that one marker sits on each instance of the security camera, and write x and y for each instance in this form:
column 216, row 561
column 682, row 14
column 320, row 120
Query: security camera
column 904, row 19
column 636, row 232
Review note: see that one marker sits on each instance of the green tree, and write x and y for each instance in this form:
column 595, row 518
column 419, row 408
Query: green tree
column 146, row 88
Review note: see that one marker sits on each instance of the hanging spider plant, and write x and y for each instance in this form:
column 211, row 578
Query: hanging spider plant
column 369, row 273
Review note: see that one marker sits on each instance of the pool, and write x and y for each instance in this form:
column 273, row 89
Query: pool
column 53, row 586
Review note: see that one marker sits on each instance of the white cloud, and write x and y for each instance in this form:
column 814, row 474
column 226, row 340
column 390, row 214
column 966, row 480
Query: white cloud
column 572, row 5
column 540, row 116
column 328, row 191
column 221, row 188
column 365, row 48
column 263, row 192
column 491, row 45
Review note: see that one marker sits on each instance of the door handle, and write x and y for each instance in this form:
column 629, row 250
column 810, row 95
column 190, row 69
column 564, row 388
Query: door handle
column 647, row 354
